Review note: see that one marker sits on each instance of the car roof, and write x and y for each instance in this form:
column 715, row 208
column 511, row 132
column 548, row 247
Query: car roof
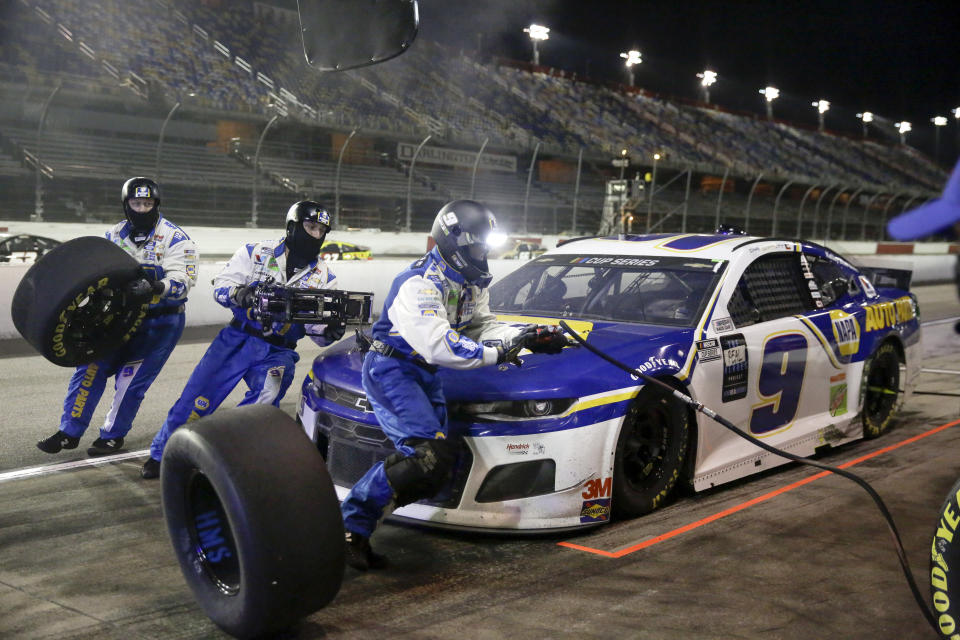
column 716, row 246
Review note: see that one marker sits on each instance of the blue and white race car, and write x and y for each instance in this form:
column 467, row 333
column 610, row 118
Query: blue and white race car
column 786, row 339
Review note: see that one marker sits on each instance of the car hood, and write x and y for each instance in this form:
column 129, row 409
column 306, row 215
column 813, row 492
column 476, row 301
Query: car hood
column 576, row 372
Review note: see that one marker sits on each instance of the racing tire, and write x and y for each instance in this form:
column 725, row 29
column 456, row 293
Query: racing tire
column 69, row 304
column 650, row 454
column 880, row 390
column 253, row 518
column 944, row 556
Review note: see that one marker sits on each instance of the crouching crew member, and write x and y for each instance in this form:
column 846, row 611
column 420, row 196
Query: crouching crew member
column 169, row 261
column 263, row 357
column 436, row 314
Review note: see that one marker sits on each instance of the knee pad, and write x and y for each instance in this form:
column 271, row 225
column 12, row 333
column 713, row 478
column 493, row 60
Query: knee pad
column 422, row 474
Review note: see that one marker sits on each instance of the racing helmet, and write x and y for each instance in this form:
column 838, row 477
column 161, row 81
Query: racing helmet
column 304, row 248
column 465, row 231
column 142, row 222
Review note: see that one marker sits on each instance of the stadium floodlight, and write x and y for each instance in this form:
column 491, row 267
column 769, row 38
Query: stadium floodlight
column 938, row 121
column 822, row 107
column 631, row 58
column 707, row 79
column 537, row 34
column 770, row 94
column 903, row 128
column 867, row 118
column 956, row 113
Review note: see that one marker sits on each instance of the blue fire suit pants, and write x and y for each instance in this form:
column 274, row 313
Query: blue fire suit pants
column 408, row 403
column 233, row 355
column 134, row 366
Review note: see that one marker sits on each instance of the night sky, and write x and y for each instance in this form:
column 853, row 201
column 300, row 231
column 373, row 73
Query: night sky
column 900, row 60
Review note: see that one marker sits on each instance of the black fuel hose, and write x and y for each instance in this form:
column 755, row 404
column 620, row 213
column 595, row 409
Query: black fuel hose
column 707, row 411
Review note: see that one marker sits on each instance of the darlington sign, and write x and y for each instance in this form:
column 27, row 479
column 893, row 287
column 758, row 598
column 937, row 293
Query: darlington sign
column 457, row 158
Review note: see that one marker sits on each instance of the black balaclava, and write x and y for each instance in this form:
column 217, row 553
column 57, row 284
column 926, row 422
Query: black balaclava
column 302, row 248
column 141, row 224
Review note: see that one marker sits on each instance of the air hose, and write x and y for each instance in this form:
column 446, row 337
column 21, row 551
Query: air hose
column 710, row 413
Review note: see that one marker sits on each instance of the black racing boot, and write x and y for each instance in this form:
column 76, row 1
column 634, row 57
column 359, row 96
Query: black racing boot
column 101, row 447
column 150, row 469
column 58, row 441
column 360, row 555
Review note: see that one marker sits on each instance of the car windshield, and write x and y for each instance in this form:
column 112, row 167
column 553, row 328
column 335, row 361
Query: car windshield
column 651, row 290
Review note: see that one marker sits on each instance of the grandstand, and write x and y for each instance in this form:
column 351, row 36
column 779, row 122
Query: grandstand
column 346, row 137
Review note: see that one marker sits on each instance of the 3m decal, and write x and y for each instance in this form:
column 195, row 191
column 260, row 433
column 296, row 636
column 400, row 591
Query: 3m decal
column 595, row 510
column 597, row 488
column 709, row 350
column 735, row 367
column 779, row 382
column 846, row 331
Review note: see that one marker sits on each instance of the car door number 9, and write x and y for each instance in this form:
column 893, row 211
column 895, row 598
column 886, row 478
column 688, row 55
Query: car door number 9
column 779, row 382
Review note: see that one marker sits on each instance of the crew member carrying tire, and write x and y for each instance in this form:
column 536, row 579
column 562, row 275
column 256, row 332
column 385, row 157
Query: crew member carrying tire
column 168, row 260
column 263, row 357
column 437, row 313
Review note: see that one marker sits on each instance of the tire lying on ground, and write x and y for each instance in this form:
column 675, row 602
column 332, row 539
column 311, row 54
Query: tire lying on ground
column 944, row 562
column 69, row 305
column 253, row 518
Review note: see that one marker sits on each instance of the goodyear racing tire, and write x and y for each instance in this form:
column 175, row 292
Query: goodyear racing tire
column 650, row 454
column 68, row 305
column 880, row 391
column 944, row 561
column 253, row 518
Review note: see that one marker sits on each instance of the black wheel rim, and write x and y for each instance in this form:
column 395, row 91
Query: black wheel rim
column 883, row 386
column 646, row 446
column 99, row 317
column 211, row 536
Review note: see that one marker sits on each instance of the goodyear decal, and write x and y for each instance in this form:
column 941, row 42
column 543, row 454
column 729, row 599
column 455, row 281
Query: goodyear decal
column 881, row 315
column 846, row 332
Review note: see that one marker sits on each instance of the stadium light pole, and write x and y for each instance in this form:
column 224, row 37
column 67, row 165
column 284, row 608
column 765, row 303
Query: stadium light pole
column 707, row 79
column 163, row 130
column 631, row 58
column 770, row 94
column 903, row 128
column 822, row 107
column 538, row 33
column 866, row 117
column 336, row 184
column 413, row 163
column 938, row 121
column 38, row 196
column 256, row 172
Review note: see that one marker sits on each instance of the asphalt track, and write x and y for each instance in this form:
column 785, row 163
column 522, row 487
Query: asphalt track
column 84, row 551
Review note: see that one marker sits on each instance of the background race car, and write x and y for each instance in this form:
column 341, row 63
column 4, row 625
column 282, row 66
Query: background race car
column 788, row 340
column 344, row 251
column 24, row 248
column 524, row 251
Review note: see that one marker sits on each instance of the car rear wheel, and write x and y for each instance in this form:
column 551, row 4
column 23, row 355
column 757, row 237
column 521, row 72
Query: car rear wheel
column 880, row 391
column 70, row 304
column 253, row 518
column 650, row 453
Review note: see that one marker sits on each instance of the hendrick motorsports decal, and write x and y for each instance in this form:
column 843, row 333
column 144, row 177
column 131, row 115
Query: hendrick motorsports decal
column 734, row 367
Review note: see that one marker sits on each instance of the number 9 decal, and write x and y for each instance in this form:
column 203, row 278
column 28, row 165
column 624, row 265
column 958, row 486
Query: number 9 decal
column 779, row 382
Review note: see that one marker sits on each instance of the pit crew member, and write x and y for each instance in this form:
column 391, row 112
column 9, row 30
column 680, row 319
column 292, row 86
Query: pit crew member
column 169, row 261
column 263, row 357
column 436, row 314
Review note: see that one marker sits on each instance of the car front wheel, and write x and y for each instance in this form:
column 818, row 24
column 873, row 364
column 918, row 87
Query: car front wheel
column 650, row 453
column 880, row 390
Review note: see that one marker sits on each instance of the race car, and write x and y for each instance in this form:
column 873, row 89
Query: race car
column 787, row 339
column 523, row 251
column 344, row 251
column 24, row 248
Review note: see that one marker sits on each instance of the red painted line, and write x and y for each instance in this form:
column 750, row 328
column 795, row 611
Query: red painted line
column 749, row 503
